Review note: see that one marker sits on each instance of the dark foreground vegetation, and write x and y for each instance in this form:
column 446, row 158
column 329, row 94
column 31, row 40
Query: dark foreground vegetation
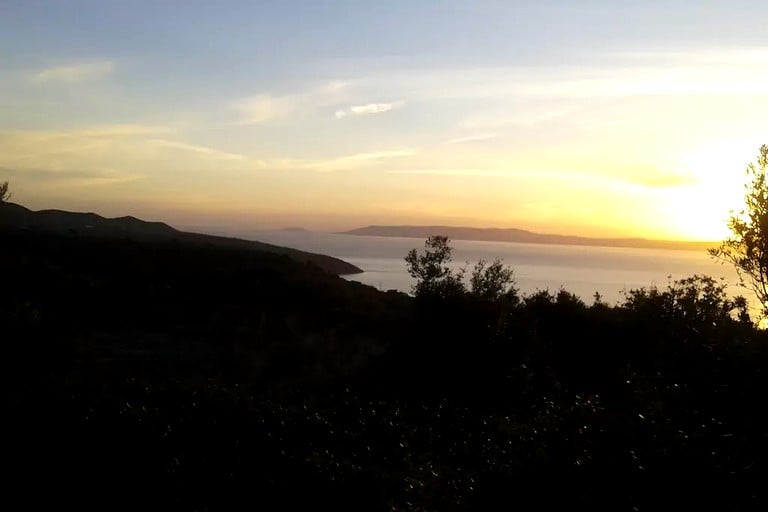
column 168, row 375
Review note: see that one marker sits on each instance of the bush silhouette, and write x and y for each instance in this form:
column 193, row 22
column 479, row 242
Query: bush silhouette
column 5, row 195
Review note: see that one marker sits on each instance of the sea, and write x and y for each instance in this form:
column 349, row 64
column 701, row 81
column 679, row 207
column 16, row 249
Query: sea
column 582, row 270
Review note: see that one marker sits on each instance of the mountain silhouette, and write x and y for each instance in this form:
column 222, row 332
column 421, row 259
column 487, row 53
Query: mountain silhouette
column 522, row 236
column 17, row 217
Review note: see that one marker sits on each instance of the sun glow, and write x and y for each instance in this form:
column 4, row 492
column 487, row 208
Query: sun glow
column 700, row 211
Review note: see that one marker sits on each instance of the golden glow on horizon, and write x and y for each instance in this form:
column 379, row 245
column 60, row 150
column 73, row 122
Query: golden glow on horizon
column 701, row 211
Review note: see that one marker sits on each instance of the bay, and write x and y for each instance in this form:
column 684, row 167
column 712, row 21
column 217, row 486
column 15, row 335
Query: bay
column 581, row 270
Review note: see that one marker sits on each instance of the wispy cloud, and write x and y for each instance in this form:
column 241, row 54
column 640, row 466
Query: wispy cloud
column 606, row 75
column 264, row 107
column 75, row 73
column 376, row 155
column 30, row 149
column 104, row 155
column 115, row 130
column 472, row 138
column 200, row 150
column 357, row 160
column 68, row 177
column 457, row 172
column 112, row 153
column 109, row 177
column 367, row 109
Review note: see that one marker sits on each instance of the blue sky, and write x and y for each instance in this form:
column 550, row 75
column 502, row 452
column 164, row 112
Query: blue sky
column 590, row 117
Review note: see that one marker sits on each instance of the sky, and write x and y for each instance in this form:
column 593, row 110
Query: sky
column 590, row 117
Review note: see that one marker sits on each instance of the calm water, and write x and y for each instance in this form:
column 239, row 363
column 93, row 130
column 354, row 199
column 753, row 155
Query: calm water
column 580, row 270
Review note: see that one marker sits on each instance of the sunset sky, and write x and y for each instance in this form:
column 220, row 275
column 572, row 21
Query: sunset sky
column 592, row 117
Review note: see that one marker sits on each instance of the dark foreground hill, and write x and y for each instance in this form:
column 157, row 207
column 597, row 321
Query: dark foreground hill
column 152, row 374
column 523, row 236
column 93, row 327
column 13, row 216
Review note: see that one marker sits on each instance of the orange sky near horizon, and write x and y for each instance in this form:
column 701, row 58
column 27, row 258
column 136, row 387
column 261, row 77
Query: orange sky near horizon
column 588, row 205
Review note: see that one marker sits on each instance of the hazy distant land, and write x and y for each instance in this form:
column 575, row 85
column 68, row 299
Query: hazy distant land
column 523, row 236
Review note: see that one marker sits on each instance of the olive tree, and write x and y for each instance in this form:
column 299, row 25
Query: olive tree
column 747, row 247
column 432, row 272
column 493, row 281
column 435, row 278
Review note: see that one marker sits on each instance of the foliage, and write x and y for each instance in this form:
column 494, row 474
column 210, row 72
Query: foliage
column 434, row 277
column 699, row 301
column 492, row 282
column 747, row 247
column 203, row 376
column 5, row 195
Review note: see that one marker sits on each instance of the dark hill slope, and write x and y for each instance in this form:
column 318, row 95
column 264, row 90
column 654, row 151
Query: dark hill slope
column 16, row 217
column 189, row 304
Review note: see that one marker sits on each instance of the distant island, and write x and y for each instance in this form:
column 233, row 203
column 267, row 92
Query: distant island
column 295, row 229
column 523, row 236
column 90, row 225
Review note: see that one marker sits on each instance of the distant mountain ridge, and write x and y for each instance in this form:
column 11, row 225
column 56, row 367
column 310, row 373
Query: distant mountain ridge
column 522, row 236
column 17, row 217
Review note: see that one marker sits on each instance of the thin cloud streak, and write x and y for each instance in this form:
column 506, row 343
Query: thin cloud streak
column 608, row 75
column 472, row 138
column 75, row 73
column 357, row 161
column 102, row 155
column 201, row 150
column 499, row 173
column 70, row 178
column 367, row 109
column 265, row 107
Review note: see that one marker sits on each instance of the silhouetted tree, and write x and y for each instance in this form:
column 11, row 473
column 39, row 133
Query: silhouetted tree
column 492, row 282
column 5, row 195
column 435, row 278
column 747, row 247
column 433, row 275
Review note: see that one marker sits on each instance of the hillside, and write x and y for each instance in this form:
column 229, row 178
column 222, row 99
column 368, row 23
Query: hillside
column 522, row 236
column 91, row 225
column 196, row 376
